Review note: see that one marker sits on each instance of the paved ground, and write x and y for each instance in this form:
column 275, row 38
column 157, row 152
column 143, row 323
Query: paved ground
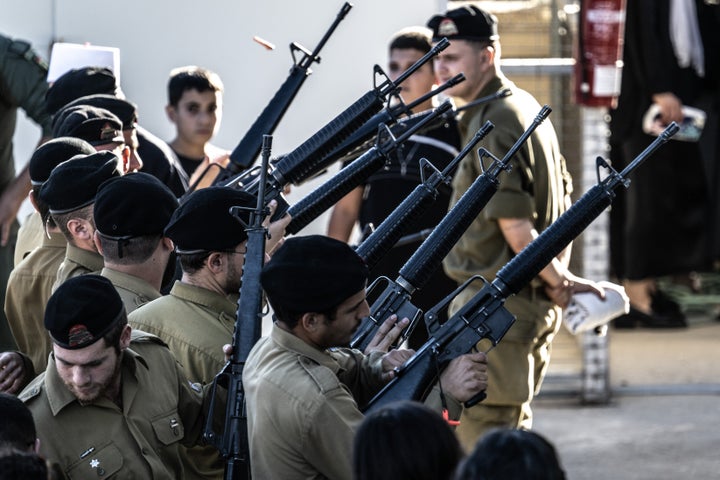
column 663, row 421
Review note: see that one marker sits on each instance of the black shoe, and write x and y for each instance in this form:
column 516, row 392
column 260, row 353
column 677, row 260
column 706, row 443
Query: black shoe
column 636, row 318
column 664, row 305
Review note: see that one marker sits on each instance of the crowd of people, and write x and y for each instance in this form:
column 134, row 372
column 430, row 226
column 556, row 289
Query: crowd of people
column 122, row 287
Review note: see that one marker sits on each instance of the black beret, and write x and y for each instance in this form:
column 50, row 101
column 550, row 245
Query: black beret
column 203, row 223
column 313, row 274
column 464, row 23
column 79, row 82
column 125, row 110
column 73, row 184
column 133, row 205
column 96, row 126
column 52, row 153
column 82, row 310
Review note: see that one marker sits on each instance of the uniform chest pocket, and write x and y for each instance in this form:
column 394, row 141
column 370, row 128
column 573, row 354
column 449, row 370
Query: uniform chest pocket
column 168, row 428
column 100, row 463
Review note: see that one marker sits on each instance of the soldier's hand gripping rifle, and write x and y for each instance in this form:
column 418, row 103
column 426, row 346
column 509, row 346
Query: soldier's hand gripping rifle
column 484, row 316
column 327, row 194
column 309, row 158
column 395, row 298
column 232, row 442
column 247, row 150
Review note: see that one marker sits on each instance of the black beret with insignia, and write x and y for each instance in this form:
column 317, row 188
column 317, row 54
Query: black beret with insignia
column 204, row 222
column 313, row 274
column 79, row 82
column 464, row 23
column 73, row 184
column 133, row 205
column 96, row 126
column 52, row 153
column 82, row 310
column 125, row 110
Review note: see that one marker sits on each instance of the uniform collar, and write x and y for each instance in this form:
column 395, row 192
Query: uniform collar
column 134, row 284
column 210, row 299
column 56, row 239
column 292, row 343
column 92, row 261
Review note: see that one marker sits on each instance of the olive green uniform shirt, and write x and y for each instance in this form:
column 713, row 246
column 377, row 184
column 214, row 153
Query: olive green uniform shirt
column 134, row 291
column 535, row 188
column 301, row 406
column 160, row 411
column 78, row 261
column 29, row 288
column 195, row 323
column 30, row 235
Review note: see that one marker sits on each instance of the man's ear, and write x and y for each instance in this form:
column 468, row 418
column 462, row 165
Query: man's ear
column 215, row 262
column 125, row 337
column 79, row 229
column 309, row 321
column 171, row 113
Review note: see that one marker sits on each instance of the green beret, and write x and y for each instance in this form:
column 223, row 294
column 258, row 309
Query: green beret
column 79, row 82
column 123, row 109
column 52, row 153
column 96, row 126
column 464, row 23
column 82, row 310
column 133, row 205
column 73, row 184
column 313, row 274
column 203, row 223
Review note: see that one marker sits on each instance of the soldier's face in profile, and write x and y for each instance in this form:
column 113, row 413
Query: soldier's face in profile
column 90, row 372
column 338, row 331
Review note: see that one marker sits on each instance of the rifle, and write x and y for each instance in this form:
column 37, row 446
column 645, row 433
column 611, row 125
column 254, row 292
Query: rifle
column 395, row 298
column 325, row 196
column 247, row 150
column 484, row 316
column 309, row 158
column 232, row 442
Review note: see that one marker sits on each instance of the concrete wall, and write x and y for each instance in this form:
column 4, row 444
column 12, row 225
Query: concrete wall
column 156, row 36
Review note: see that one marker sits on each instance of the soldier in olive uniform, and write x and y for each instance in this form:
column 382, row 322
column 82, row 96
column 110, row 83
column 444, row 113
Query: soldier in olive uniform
column 22, row 85
column 130, row 215
column 31, row 282
column 70, row 194
column 198, row 316
column 530, row 197
column 112, row 403
column 302, row 391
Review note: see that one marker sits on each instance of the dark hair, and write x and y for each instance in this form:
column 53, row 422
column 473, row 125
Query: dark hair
column 130, row 251
column 192, row 78
column 112, row 338
column 192, row 262
column 17, row 428
column 16, row 464
column 405, row 440
column 416, row 38
column 291, row 317
column 511, row 454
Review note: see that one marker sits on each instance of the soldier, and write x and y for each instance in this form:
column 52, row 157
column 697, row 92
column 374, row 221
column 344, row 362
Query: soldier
column 302, row 391
column 31, row 282
column 22, row 85
column 529, row 198
column 112, row 402
column 198, row 316
column 129, row 235
column 70, row 195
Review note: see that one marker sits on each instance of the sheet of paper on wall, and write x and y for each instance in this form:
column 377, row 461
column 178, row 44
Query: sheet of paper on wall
column 67, row 56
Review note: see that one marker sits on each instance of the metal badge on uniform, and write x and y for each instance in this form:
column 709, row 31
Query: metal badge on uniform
column 195, row 386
